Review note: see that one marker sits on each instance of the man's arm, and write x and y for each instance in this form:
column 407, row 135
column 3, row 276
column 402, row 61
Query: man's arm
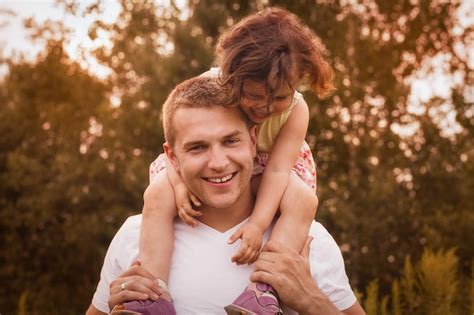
column 355, row 309
column 135, row 283
column 289, row 273
column 93, row 311
column 117, row 284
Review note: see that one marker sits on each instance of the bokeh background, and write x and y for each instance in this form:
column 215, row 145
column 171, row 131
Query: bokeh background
column 80, row 123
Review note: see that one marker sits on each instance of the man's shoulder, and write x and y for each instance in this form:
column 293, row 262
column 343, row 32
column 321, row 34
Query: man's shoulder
column 327, row 267
column 323, row 245
column 319, row 232
column 131, row 224
column 129, row 232
column 133, row 220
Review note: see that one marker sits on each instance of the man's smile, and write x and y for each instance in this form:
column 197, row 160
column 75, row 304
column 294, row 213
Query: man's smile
column 219, row 180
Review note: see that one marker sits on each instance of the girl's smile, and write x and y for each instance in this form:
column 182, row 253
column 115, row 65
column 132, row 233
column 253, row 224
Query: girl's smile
column 257, row 104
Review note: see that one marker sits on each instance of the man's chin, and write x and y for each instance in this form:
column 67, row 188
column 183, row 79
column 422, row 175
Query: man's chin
column 218, row 202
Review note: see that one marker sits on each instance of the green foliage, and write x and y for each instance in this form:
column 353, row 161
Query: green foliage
column 371, row 302
column 22, row 304
column 73, row 164
column 384, row 305
column 431, row 287
column 396, row 302
column 471, row 291
column 437, row 282
column 408, row 286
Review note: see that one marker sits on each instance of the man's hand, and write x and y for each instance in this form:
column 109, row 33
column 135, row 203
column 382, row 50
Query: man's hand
column 251, row 236
column 183, row 202
column 134, row 284
column 288, row 272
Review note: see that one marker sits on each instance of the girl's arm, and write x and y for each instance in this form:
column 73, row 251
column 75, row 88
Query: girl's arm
column 273, row 184
column 183, row 196
column 280, row 163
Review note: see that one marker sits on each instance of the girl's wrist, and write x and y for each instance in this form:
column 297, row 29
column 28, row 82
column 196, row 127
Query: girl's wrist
column 260, row 226
column 179, row 185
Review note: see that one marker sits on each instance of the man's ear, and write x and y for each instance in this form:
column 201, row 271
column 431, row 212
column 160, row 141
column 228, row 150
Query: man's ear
column 253, row 139
column 170, row 155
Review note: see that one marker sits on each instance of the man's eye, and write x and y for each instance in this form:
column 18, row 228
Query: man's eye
column 197, row 148
column 231, row 141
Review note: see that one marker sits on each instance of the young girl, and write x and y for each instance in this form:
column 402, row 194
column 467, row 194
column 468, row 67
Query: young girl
column 262, row 59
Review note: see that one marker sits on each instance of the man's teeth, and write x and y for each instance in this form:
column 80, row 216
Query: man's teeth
column 220, row 180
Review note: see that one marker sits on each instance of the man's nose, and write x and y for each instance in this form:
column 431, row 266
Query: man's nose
column 218, row 159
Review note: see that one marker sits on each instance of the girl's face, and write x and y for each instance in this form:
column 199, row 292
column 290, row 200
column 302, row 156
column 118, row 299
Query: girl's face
column 256, row 102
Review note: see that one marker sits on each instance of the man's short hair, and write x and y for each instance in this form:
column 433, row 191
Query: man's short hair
column 198, row 92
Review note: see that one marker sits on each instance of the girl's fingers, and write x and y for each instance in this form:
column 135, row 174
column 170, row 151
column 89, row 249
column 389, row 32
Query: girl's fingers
column 186, row 218
column 253, row 258
column 246, row 257
column 194, row 200
column 193, row 212
column 235, row 237
column 242, row 250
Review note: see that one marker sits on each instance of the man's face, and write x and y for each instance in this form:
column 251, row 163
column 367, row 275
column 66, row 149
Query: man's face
column 213, row 152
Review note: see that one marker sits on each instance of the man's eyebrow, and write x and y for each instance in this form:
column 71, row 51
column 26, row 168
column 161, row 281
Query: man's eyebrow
column 194, row 143
column 233, row 134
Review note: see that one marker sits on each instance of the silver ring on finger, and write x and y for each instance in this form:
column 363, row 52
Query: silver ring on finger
column 122, row 286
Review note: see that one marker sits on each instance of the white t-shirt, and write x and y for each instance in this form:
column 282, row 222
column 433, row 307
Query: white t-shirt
column 202, row 278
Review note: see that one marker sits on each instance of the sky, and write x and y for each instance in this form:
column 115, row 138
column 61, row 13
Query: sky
column 14, row 37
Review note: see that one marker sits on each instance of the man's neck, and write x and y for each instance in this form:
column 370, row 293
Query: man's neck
column 225, row 219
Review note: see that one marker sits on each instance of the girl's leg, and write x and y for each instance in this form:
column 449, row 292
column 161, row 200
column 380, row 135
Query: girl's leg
column 156, row 242
column 297, row 210
column 299, row 202
column 156, row 232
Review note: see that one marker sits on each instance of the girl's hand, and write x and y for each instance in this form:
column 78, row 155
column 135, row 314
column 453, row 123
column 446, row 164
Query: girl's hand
column 183, row 202
column 251, row 236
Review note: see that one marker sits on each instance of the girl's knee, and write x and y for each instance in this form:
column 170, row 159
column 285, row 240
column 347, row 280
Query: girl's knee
column 299, row 193
column 158, row 198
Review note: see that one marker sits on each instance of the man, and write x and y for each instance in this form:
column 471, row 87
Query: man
column 212, row 148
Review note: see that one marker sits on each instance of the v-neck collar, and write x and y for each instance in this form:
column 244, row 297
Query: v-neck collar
column 224, row 234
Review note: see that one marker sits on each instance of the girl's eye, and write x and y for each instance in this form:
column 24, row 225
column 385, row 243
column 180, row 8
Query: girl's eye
column 252, row 97
column 280, row 98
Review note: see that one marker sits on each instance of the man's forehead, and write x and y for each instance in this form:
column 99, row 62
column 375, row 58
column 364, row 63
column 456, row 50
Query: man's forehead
column 218, row 121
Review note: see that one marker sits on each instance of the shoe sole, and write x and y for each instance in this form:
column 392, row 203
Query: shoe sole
column 236, row 310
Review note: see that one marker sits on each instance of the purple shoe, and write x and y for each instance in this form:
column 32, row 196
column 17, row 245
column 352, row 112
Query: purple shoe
column 258, row 298
column 148, row 307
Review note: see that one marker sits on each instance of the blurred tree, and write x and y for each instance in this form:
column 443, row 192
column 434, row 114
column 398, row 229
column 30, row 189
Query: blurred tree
column 75, row 149
column 54, row 184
